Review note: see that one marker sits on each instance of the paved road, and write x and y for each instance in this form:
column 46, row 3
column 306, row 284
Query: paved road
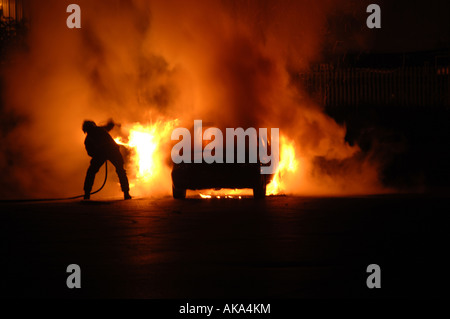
column 281, row 247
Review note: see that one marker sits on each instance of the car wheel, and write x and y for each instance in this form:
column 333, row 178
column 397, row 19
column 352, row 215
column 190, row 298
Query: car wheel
column 259, row 191
column 178, row 193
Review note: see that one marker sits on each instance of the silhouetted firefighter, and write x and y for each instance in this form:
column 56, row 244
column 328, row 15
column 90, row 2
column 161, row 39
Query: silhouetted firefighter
column 102, row 147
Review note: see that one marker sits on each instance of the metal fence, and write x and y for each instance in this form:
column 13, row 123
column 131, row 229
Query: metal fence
column 406, row 86
column 12, row 9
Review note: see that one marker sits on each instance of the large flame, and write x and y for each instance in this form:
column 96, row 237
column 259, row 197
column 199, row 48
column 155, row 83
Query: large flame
column 288, row 165
column 147, row 156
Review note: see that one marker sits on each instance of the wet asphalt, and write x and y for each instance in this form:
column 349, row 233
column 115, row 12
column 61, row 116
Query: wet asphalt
column 279, row 247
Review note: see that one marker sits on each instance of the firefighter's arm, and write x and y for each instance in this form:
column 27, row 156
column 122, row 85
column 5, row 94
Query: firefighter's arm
column 109, row 126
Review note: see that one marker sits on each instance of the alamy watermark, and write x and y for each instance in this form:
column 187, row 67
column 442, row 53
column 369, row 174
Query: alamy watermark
column 213, row 151
column 74, row 279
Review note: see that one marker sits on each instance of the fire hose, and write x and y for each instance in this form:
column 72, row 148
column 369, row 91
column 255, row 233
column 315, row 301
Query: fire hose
column 62, row 198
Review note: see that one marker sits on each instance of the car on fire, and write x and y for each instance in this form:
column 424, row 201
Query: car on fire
column 198, row 176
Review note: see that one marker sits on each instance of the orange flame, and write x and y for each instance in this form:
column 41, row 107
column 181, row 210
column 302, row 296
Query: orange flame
column 147, row 157
column 288, row 164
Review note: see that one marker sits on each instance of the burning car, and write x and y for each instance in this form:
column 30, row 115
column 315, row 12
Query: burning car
column 232, row 170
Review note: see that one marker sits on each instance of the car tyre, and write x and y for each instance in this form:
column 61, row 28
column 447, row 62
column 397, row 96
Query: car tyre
column 259, row 191
column 178, row 193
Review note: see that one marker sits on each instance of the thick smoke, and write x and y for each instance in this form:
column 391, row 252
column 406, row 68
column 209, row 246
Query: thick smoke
column 228, row 62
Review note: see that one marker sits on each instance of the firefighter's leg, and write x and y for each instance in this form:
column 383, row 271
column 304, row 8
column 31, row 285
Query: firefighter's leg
column 95, row 165
column 117, row 161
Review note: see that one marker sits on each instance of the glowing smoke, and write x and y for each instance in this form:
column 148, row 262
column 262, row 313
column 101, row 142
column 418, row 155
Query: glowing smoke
column 141, row 61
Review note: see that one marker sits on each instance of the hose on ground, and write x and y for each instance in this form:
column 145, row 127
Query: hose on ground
column 62, row 198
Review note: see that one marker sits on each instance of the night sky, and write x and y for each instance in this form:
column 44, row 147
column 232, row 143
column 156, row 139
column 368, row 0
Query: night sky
column 406, row 26
column 413, row 26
